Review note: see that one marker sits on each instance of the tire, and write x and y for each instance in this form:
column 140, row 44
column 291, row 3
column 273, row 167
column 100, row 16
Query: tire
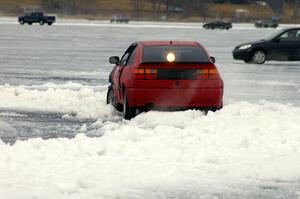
column 221, row 27
column 21, row 22
column 128, row 112
column 49, row 23
column 41, row 23
column 110, row 99
column 29, row 23
column 259, row 57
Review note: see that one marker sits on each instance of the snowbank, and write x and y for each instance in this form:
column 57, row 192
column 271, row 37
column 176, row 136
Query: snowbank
column 72, row 99
column 233, row 153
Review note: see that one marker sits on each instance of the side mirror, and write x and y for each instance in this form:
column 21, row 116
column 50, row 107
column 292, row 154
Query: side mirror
column 114, row 60
column 213, row 60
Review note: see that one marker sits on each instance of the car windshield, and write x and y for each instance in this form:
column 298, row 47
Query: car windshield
column 274, row 35
column 181, row 54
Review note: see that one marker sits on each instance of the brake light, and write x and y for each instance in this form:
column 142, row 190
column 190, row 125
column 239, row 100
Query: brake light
column 141, row 73
column 207, row 73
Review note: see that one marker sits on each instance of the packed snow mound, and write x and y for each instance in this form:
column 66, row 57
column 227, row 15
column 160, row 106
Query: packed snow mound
column 243, row 147
column 71, row 98
column 6, row 129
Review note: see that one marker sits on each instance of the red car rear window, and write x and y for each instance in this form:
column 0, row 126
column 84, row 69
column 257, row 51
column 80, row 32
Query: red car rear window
column 183, row 54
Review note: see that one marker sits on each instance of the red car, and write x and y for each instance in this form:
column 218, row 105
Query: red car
column 171, row 75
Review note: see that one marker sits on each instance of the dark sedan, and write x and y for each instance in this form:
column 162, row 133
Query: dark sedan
column 220, row 24
column 119, row 18
column 266, row 24
column 282, row 46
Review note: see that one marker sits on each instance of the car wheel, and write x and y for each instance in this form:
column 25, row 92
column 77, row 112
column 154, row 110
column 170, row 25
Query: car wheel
column 21, row 22
column 259, row 57
column 41, row 23
column 221, row 27
column 128, row 112
column 110, row 99
column 49, row 24
column 29, row 23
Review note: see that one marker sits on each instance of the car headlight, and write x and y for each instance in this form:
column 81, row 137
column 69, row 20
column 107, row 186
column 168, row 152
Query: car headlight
column 244, row 47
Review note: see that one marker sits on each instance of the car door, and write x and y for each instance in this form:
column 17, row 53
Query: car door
column 32, row 18
column 287, row 46
column 298, row 45
column 125, row 61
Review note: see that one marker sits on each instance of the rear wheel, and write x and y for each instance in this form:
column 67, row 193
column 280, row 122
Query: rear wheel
column 21, row 22
column 110, row 99
column 41, row 23
column 128, row 112
column 49, row 23
column 29, row 23
column 259, row 57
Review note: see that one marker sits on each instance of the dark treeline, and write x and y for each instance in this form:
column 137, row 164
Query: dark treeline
column 159, row 9
column 89, row 6
column 70, row 6
column 186, row 7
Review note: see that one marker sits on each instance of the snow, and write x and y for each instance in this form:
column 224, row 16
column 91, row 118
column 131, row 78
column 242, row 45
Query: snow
column 84, row 103
column 161, row 155
column 249, row 149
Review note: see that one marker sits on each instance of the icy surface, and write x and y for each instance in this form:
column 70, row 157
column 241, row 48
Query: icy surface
column 53, row 84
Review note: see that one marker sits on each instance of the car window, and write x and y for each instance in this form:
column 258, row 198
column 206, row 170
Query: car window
column 131, row 57
column 182, row 54
column 298, row 35
column 124, row 59
column 127, row 54
column 290, row 35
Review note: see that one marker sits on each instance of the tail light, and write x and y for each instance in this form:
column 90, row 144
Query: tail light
column 141, row 73
column 207, row 73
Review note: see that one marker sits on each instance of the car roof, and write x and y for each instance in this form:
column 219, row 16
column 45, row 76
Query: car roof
column 293, row 28
column 286, row 29
column 168, row 43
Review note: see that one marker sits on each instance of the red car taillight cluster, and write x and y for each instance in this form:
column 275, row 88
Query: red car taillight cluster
column 211, row 73
column 141, row 73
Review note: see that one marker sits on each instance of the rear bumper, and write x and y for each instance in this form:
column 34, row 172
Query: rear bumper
column 183, row 98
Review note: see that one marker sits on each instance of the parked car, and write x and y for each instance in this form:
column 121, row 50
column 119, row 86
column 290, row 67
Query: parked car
column 282, row 46
column 266, row 24
column 220, row 24
column 36, row 17
column 119, row 18
column 161, row 75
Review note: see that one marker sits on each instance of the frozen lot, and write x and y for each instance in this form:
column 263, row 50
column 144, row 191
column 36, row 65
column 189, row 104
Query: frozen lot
column 53, row 82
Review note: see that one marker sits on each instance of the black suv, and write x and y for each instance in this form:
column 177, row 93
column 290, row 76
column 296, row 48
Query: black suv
column 36, row 17
column 282, row 46
column 220, row 24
